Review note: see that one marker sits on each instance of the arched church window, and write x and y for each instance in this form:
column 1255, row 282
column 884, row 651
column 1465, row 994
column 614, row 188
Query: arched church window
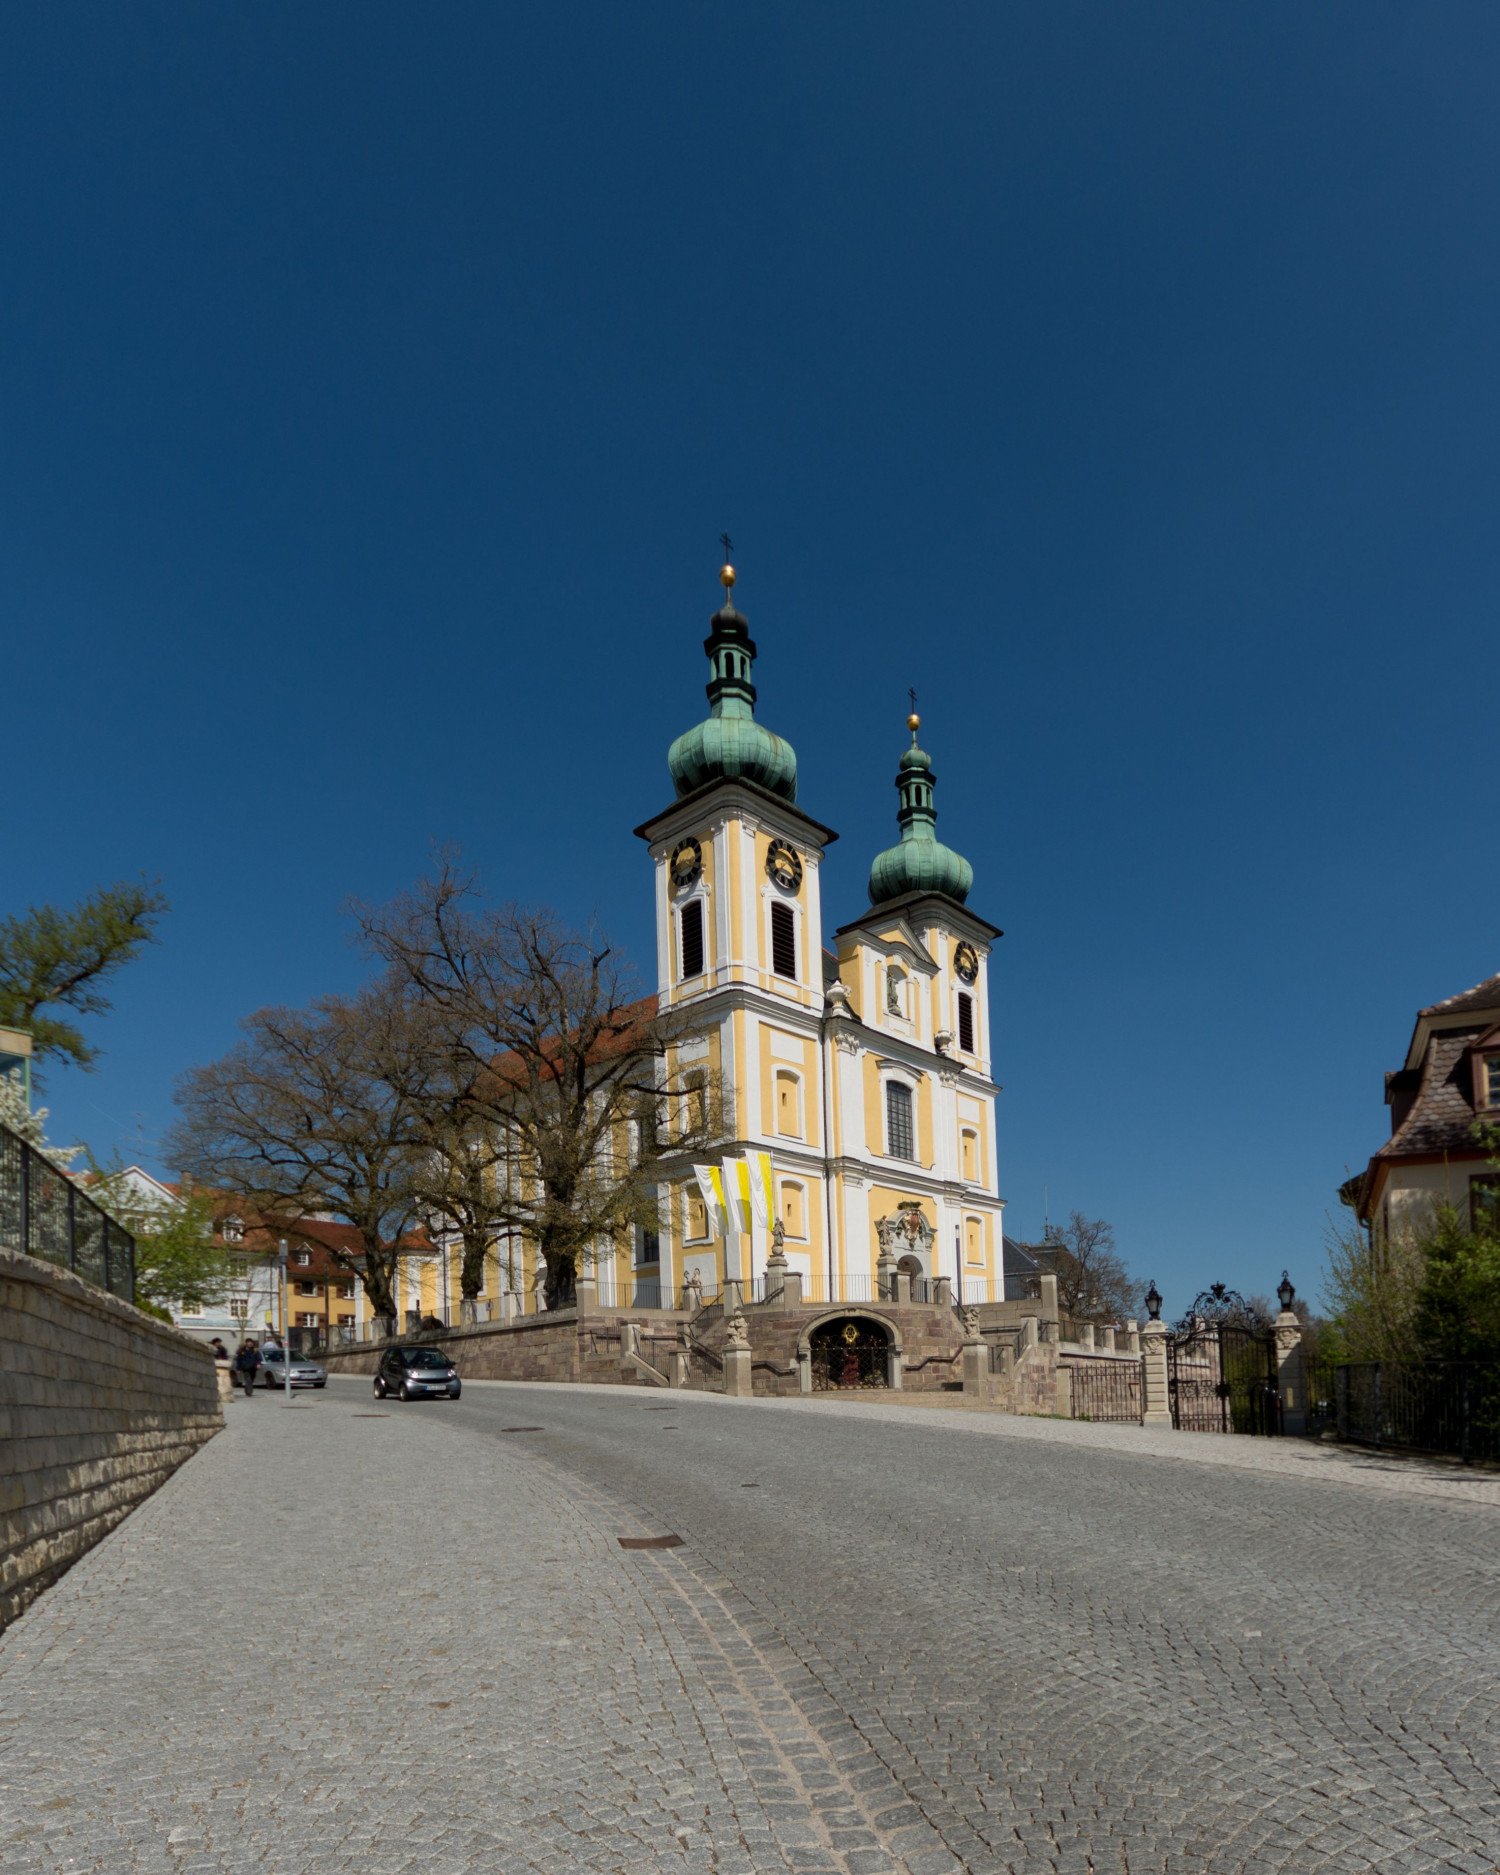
column 899, row 1134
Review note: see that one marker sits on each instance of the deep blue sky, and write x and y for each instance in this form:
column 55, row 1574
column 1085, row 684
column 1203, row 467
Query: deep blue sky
column 376, row 380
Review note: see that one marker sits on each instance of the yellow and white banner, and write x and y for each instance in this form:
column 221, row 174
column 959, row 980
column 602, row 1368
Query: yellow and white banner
column 747, row 1179
column 711, row 1184
column 762, row 1189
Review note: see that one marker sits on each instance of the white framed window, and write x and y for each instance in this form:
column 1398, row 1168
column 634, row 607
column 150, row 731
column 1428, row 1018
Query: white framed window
column 1490, row 1080
column 788, row 1103
column 307, row 1289
column 239, row 1311
column 900, row 1121
column 793, row 1196
column 783, row 939
column 346, row 1292
column 690, row 952
column 194, row 1310
column 308, row 1320
column 232, row 1230
column 302, row 1259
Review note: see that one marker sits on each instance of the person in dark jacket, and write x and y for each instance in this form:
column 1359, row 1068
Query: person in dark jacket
column 246, row 1362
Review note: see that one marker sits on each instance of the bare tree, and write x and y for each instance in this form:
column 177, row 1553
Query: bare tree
column 312, row 1115
column 1093, row 1284
column 555, row 1061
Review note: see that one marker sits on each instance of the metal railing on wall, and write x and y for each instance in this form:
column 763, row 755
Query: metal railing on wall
column 44, row 1213
column 1448, row 1407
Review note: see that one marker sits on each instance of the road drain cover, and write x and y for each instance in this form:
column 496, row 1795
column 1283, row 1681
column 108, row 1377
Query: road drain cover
column 523, row 1428
column 650, row 1542
column 369, row 1415
column 749, row 1487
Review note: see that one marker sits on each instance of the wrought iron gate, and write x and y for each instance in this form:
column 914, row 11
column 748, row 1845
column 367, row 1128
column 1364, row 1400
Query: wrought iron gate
column 1222, row 1371
column 852, row 1352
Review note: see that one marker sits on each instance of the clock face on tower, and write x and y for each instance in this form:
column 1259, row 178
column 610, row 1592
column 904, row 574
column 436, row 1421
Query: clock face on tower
column 966, row 962
column 686, row 864
column 783, row 866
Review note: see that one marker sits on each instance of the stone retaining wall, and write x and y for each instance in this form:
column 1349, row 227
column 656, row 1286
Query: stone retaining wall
column 560, row 1346
column 99, row 1404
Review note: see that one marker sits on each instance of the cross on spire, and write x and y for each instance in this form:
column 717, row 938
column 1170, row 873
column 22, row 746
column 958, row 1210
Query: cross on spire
column 728, row 545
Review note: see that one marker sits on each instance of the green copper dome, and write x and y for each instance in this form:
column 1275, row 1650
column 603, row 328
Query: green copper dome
column 919, row 862
column 729, row 745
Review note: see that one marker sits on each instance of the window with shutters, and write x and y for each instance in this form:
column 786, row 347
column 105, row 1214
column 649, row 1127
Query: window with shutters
column 783, row 941
column 690, row 922
column 965, row 1023
column 899, row 1137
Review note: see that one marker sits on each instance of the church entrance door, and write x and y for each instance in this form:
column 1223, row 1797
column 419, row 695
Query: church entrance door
column 853, row 1351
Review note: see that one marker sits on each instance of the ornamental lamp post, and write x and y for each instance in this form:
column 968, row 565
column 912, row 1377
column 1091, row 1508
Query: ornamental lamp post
column 1286, row 1293
column 1153, row 1303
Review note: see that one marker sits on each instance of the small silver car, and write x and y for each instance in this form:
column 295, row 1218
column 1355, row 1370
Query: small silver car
column 305, row 1373
column 416, row 1374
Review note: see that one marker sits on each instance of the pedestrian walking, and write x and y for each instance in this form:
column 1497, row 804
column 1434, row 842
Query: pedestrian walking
column 221, row 1353
column 246, row 1364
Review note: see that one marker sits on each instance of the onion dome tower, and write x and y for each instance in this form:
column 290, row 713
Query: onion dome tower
column 919, row 862
column 729, row 745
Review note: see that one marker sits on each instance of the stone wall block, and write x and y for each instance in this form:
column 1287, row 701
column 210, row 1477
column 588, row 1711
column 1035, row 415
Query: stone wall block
column 98, row 1405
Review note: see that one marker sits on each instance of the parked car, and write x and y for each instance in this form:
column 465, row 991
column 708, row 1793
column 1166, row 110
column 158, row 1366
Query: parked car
column 416, row 1374
column 305, row 1373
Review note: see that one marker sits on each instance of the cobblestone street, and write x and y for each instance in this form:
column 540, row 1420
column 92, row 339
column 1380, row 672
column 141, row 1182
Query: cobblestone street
column 349, row 1637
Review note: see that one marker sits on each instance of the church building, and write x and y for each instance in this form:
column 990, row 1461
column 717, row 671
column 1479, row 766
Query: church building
column 855, row 1065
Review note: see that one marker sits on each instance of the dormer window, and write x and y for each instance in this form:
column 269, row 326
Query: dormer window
column 232, row 1230
column 1489, row 1080
column 302, row 1259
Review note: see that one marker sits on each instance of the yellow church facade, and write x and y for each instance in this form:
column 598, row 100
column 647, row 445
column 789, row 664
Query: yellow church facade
column 854, row 1064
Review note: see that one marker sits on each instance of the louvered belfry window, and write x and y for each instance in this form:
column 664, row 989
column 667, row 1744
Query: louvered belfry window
column 898, row 1130
column 966, row 1023
column 690, row 919
column 783, row 941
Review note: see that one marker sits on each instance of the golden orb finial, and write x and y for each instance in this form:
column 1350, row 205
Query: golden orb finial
column 914, row 722
column 726, row 576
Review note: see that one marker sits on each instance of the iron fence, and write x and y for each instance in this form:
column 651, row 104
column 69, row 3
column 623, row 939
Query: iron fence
column 43, row 1213
column 1105, row 1388
column 1450, row 1407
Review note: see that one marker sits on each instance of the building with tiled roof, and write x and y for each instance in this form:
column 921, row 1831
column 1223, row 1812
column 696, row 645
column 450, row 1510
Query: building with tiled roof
column 1441, row 1097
